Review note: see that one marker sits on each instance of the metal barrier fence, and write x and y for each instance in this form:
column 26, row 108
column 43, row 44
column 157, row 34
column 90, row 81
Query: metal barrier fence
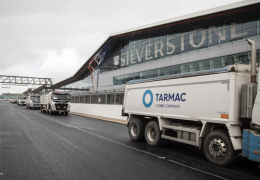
column 103, row 97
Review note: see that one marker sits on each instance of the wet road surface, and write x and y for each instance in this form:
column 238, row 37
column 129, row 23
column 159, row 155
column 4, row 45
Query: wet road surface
column 36, row 145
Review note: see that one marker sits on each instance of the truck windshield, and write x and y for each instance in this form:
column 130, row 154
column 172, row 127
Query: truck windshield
column 22, row 98
column 35, row 97
column 61, row 97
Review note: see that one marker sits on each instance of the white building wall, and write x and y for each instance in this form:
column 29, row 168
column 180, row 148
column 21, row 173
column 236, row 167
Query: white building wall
column 103, row 110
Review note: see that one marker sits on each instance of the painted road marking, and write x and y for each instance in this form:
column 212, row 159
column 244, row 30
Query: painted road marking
column 103, row 137
column 131, row 147
column 197, row 169
column 120, row 143
column 1, row 174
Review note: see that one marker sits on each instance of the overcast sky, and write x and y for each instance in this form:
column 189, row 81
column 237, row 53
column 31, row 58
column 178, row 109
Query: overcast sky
column 53, row 38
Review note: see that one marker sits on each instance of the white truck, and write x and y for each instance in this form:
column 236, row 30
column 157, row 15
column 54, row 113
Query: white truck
column 11, row 100
column 55, row 102
column 216, row 110
column 21, row 100
column 33, row 101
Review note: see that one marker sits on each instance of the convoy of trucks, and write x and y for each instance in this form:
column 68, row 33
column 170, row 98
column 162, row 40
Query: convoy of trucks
column 50, row 102
column 216, row 110
column 55, row 102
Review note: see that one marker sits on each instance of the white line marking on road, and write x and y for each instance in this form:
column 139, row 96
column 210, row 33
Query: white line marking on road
column 197, row 169
column 1, row 174
column 130, row 147
column 104, row 137
column 120, row 143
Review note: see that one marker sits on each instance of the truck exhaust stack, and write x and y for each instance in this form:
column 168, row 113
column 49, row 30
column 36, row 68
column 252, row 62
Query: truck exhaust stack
column 253, row 60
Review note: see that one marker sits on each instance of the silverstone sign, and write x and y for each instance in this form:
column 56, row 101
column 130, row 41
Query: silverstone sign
column 193, row 39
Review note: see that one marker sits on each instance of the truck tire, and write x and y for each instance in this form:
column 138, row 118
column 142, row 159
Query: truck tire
column 218, row 149
column 136, row 129
column 153, row 134
column 66, row 113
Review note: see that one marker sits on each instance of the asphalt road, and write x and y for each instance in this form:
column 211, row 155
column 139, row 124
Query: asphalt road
column 36, row 145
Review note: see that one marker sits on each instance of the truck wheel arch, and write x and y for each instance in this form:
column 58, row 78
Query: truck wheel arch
column 133, row 116
column 234, row 133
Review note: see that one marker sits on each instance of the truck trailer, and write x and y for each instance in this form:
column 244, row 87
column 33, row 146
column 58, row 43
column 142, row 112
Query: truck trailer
column 216, row 110
column 55, row 102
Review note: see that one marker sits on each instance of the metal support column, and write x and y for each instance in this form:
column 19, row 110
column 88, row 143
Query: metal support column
column 115, row 98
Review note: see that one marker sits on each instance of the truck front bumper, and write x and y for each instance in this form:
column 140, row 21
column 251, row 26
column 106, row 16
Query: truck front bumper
column 36, row 105
column 60, row 111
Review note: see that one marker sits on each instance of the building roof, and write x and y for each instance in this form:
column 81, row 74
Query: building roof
column 163, row 26
column 189, row 16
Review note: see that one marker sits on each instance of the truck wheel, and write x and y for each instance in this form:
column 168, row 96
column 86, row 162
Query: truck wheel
column 66, row 113
column 218, row 149
column 136, row 129
column 153, row 134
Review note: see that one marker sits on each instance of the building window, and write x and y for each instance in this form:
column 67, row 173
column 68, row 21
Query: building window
column 207, row 64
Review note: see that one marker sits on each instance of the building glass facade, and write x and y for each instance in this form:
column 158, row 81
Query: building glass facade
column 85, row 83
column 143, row 50
column 207, row 64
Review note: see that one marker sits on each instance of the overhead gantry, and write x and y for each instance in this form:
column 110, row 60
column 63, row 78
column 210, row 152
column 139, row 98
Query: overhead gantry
column 7, row 81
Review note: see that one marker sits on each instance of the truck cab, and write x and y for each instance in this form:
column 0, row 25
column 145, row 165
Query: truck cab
column 21, row 101
column 55, row 102
column 33, row 102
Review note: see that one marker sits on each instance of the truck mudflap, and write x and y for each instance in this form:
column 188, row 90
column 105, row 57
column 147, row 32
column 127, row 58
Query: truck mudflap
column 251, row 144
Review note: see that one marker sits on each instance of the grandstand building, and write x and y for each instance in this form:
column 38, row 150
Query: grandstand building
column 209, row 39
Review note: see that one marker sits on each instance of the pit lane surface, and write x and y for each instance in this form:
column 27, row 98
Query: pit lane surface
column 36, row 145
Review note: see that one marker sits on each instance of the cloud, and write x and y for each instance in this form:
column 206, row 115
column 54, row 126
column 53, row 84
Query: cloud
column 47, row 38
column 60, row 65
column 55, row 65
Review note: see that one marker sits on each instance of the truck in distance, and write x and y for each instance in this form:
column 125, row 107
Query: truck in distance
column 21, row 100
column 13, row 100
column 33, row 101
column 55, row 102
column 217, row 111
